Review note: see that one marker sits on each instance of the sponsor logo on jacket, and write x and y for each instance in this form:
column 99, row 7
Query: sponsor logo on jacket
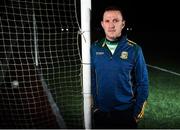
column 100, row 53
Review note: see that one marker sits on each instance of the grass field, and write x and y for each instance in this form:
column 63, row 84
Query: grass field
column 163, row 109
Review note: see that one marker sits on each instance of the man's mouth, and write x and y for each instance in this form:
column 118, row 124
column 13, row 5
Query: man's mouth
column 111, row 31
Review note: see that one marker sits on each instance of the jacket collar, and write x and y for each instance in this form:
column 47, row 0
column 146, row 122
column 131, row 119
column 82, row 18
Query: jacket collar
column 121, row 40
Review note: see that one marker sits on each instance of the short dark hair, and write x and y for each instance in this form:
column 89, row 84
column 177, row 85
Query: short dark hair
column 113, row 8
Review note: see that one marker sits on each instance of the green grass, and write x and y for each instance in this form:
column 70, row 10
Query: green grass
column 66, row 87
column 163, row 109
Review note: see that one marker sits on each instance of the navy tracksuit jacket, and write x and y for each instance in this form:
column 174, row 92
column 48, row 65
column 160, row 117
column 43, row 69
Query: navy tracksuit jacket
column 119, row 81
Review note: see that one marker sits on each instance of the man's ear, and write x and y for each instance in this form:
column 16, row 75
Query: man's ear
column 123, row 24
column 102, row 24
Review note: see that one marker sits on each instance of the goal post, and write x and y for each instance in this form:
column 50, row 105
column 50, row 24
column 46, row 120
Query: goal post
column 44, row 67
column 85, row 43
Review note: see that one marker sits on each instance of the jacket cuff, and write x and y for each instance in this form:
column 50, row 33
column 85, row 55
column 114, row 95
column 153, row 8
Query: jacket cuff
column 139, row 110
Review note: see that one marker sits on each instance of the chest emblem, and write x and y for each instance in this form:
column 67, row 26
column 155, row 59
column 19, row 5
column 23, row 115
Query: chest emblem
column 124, row 55
column 99, row 53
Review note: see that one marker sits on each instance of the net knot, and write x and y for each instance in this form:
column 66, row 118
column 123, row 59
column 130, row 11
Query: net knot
column 80, row 32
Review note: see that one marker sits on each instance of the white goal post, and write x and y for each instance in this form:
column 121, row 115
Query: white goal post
column 85, row 43
column 44, row 67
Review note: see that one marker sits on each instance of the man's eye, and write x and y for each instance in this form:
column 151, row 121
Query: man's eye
column 115, row 20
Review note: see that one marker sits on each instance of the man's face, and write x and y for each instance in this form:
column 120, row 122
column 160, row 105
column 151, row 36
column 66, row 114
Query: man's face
column 112, row 24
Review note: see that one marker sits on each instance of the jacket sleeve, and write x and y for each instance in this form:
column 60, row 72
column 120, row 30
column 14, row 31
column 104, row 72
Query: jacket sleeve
column 141, row 77
column 93, row 79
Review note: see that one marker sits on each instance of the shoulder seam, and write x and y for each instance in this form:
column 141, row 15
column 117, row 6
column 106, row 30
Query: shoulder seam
column 131, row 42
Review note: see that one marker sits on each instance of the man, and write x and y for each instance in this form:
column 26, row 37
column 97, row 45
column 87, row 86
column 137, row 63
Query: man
column 119, row 76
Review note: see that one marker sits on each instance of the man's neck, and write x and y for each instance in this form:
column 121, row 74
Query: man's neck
column 113, row 40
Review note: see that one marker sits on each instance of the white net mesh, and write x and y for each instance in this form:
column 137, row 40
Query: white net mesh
column 40, row 64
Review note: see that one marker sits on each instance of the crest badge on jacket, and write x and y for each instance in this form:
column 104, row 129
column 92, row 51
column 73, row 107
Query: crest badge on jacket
column 124, row 55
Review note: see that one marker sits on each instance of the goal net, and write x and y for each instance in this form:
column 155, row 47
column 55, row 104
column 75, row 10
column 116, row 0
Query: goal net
column 40, row 64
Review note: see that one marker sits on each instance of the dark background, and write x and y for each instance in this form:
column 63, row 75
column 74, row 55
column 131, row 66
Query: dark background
column 153, row 24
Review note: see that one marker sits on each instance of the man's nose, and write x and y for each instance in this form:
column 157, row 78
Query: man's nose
column 111, row 24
